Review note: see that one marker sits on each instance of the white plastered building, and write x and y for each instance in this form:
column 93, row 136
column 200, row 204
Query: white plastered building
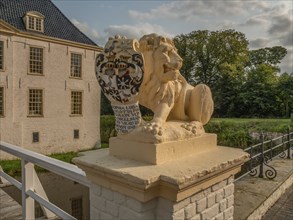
column 49, row 95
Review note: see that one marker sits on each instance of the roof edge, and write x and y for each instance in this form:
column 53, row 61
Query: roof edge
column 73, row 24
column 14, row 31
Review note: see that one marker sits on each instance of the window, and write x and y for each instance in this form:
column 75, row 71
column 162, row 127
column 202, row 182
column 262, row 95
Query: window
column 36, row 137
column 38, row 23
column 75, row 68
column 34, row 21
column 1, row 55
column 76, row 208
column 36, row 60
column 35, row 107
column 76, row 103
column 1, row 101
column 76, row 134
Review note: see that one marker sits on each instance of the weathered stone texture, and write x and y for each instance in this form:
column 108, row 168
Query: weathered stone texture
column 215, row 202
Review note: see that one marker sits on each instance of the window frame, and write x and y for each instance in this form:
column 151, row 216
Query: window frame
column 28, row 103
column 37, row 139
column 3, row 102
column 2, row 55
column 42, row 61
column 74, row 213
column 71, row 105
column 71, row 66
column 31, row 21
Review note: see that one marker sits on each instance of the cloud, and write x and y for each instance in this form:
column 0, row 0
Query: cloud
column 259, row 43
column 87, row 30
column 191, row 10
column 287, row 63
column 256, row 20
column 281, row 29
column 136, row 30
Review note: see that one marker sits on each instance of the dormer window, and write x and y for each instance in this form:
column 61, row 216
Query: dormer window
column 34, row 21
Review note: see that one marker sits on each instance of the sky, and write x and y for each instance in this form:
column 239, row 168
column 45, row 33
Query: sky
column 264, row 23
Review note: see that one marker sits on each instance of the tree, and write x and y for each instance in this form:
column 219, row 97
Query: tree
column 106, row 108
column 285, row 93
column 258, row 97
column 227, row 91
column 269, row 55
column 206, row 53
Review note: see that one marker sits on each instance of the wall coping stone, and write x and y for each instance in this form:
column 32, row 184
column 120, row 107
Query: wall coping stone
column 174, row 180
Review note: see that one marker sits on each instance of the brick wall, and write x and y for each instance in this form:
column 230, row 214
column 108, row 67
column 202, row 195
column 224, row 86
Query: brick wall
column 213, row 203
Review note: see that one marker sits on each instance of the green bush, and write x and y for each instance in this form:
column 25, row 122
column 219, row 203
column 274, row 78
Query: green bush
column 107, row 128
column 229, row 134
column 231, row 131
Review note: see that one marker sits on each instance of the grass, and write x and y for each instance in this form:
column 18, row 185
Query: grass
column 257, row 124
column 236, row 132
column 13, row 167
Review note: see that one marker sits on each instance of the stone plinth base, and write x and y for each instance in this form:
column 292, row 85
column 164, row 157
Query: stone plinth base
column 198, row 186
column 158, row 153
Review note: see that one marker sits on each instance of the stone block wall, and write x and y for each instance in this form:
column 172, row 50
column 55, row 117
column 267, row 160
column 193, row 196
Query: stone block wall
column 213, row 203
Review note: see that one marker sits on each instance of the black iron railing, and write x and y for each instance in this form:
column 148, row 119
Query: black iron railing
column 264, row 152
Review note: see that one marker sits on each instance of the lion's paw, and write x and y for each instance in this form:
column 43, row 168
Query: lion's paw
column 195, row 127
column 154, row 128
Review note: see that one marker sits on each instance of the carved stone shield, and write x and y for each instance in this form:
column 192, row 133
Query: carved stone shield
column 119, row 70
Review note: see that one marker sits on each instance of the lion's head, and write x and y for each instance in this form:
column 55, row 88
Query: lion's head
column 161, row 75
column 160, row 55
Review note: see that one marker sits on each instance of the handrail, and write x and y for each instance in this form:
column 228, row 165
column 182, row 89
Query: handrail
column 265, row 151
column 49, row 205
column 36, row 191
column 10, row 179
column 59, row 167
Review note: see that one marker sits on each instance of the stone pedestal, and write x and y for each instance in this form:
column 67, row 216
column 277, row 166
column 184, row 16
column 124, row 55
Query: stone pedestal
column 158, row 153
column 198, row 186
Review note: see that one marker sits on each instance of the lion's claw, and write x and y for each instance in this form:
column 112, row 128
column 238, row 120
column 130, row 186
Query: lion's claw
column 195, row 127
column 153, row 128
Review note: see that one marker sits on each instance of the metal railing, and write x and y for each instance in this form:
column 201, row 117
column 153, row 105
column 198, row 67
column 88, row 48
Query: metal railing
column 30, row 185
column 264, row 152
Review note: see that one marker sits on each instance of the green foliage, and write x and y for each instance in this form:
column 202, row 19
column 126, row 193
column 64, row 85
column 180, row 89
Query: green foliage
column 285, row 94
column 269, row 55
column 107, row 128
column 236, row 132
column 244, row 83
column 13, row 167
column 106, row 108
column 206, row 53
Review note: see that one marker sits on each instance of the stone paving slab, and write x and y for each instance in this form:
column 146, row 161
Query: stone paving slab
column 254, row 196
column 283, row 208
column 9, row 208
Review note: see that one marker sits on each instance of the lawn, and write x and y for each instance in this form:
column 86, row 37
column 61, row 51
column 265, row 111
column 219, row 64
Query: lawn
column 13, row 167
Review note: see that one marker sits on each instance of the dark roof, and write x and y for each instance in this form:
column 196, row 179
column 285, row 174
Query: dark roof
column 55, row 23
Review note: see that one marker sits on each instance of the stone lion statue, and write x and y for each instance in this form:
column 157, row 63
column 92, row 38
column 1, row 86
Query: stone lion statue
column 147, row 72
column 165, row 91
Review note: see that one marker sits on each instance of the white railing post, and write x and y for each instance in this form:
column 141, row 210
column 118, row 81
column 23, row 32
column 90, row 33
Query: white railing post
column 27, row 179
column 40, row 190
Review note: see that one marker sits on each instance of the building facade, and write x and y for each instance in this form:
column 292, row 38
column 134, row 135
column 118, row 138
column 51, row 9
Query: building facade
column 49, row 95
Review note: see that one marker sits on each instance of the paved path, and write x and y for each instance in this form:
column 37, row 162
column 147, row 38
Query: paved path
column 283, row 208
column 254, row 192
column 9, row 208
